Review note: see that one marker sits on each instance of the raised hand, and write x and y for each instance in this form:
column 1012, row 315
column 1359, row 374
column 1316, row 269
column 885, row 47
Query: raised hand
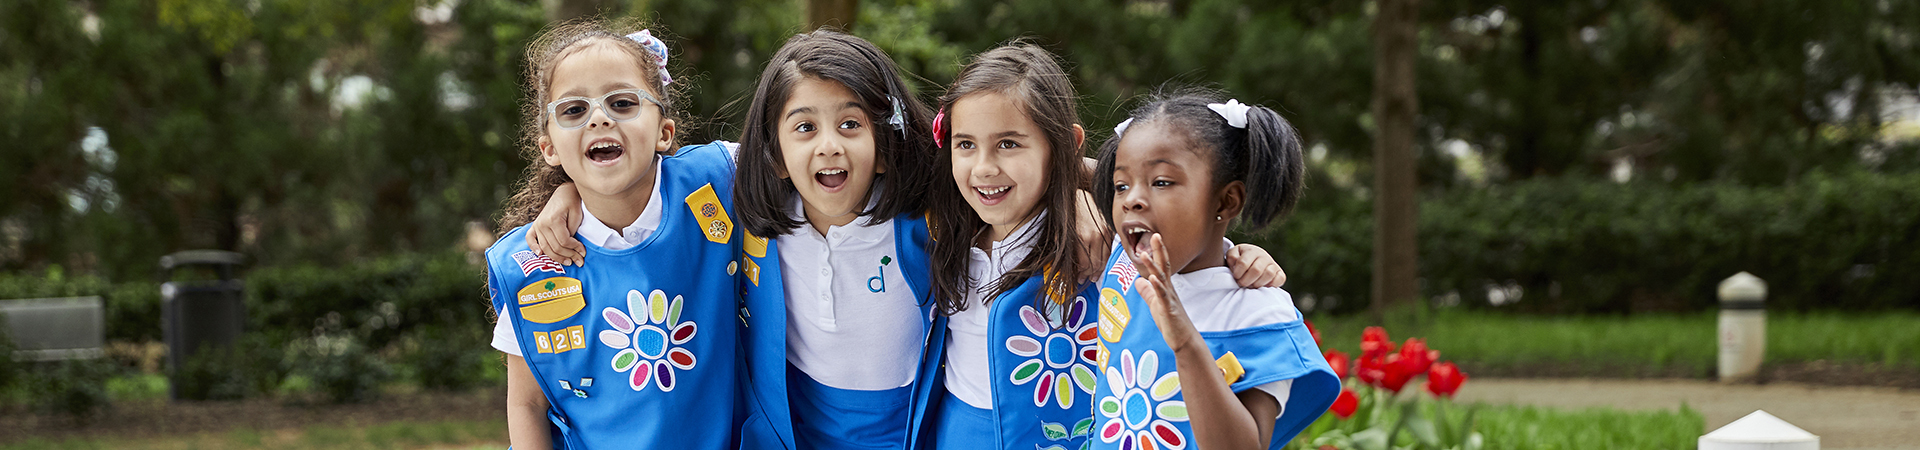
column 1156, row 288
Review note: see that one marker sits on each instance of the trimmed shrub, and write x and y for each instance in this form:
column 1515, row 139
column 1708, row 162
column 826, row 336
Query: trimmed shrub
column 1826, row 242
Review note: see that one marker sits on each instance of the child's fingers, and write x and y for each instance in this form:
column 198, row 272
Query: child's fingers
column 1279, row 277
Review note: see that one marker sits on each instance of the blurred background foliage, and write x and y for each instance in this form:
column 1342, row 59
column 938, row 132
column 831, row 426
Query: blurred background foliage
column 1587, row 156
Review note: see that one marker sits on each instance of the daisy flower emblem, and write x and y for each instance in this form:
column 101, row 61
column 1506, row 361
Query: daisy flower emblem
column 1059, row 360
column 1137, row 411
column 649, row 335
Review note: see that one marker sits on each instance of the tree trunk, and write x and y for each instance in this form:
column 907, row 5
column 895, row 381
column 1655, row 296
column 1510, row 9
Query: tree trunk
column 834, row 13
column 1395, row 258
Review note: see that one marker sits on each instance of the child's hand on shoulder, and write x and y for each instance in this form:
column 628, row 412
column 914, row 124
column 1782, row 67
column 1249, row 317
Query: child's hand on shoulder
column 551, row 234
column 1253, row 267
column 1156, row 288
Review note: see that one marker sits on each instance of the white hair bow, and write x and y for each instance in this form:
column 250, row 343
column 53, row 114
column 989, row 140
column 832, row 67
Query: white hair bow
column 1122, row 127
column 1233, row 111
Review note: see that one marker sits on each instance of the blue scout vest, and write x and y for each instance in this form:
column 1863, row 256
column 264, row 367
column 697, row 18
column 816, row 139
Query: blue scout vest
column 1042, row 374
column 636, row 348
column 1140, row 406
column 763, row 316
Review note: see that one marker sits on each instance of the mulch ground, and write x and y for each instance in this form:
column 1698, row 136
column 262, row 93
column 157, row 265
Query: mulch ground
column 140, row 419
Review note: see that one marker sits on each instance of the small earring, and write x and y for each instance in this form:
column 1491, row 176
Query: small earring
column 1218, row 218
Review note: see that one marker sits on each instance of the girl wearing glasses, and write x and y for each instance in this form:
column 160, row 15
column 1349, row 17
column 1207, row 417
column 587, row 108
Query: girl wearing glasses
column 626, row 352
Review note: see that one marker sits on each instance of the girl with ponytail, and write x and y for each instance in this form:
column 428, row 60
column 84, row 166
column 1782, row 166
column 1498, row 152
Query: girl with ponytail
column 1189, row 357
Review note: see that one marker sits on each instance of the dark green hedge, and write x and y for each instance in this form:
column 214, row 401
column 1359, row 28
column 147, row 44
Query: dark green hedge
column 1826, row 242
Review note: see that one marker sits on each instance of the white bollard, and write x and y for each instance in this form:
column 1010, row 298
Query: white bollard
column 1759, row 431
column 1743, row 327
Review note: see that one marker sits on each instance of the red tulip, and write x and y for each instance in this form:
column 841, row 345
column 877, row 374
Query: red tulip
column 1339, row 362
column 1374, row 343
column 1418, row 358
column 1395, row 372
column 1444, row 379
column 1346, row 404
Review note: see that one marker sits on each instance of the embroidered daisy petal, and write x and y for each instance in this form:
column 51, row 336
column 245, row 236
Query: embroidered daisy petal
column 1023, row 346
column 617, row 319
column 1077, row 312
column 1083, row 378
column 1116, row 386
column 1127, row 368
column 1173, row 411
column 1168, row 436
column 1166, row 386
column 625, row 359
column 681, row 358
column 1146, row 441
column 1088, row 333
column 642, row 374
column 1113, row 430
column 685, row 332
column 673, row 312
column 1044, row 389
column 1149, row 366
column 1026, row 371
column 1035, row 324
column 1063, row 390
column 657, row 306
column 1109, row 407
column 615, row 339
column 665, row 377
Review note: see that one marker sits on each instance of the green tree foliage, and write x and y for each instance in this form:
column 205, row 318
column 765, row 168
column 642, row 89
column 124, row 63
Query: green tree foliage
column 333, row 132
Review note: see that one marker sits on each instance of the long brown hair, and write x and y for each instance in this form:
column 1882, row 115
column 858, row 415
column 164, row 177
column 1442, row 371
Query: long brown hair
column 762, row 197
column 1033, row 79
column 543, row 54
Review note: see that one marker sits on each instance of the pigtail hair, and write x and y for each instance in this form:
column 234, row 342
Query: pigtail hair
column 1274, row 169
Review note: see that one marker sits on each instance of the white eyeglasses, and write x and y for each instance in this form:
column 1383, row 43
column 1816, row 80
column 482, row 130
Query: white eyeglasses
column 622, row 105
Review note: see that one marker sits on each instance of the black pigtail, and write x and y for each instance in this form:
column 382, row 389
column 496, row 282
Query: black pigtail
column 1274, row 168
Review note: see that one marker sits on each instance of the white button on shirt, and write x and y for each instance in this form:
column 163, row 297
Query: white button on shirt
column 856, row 325
column 594, row 232
column 969, row 377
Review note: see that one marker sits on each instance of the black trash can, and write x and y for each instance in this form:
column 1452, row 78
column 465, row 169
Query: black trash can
column 202, row 314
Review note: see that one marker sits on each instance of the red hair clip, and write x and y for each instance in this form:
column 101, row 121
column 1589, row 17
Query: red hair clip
column 938, row 120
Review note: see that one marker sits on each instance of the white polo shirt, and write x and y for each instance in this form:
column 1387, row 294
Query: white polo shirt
column 1216, row 303
column 968, row 347
column 592, row 231
column 852, row 320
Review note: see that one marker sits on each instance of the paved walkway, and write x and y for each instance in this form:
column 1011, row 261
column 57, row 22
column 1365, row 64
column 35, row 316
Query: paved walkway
column 1845, row 418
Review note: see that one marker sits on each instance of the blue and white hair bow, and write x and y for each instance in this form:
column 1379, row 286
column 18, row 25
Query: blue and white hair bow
column 658, row 48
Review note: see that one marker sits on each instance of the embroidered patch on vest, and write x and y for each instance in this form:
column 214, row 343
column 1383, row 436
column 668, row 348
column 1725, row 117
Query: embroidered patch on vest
column 650, row 338
column 551, row 300
column 710, row 215
column 1230, row 366
column 561, row 340
column 1113, row 315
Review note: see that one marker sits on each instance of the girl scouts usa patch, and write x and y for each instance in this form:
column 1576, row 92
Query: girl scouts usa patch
column 710, row 215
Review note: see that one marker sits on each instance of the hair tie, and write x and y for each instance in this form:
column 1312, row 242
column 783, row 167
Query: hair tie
column 1233, row 111
column 899, row 118
column 938, row 119
column 1121, row 129
column 659, row 50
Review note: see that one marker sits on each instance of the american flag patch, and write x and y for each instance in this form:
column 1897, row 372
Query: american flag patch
column 1124, row 269
column 530, row 262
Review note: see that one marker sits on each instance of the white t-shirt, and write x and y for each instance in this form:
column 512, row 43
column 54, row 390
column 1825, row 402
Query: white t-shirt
column 852, row 320
column 968, row 347
column 592, row 231
column 1216, row 303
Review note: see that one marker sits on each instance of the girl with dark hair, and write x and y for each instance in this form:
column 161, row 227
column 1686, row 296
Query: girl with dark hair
column 833, row 169
column 1245, row 372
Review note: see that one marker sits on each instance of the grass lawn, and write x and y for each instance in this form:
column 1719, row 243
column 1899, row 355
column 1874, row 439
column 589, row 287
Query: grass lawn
column 1646, row 345
column 391, row 435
